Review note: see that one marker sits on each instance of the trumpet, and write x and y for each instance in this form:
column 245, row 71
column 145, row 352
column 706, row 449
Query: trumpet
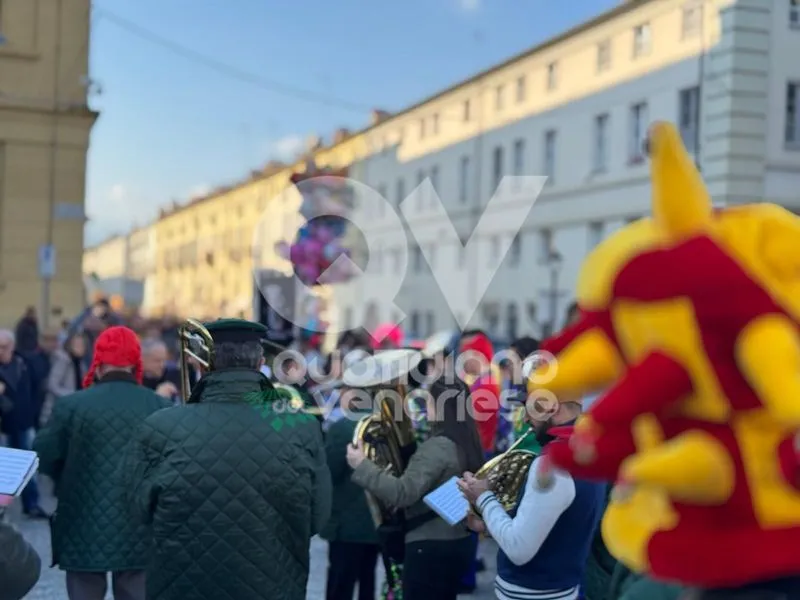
column 195, row 343
column 507, row 472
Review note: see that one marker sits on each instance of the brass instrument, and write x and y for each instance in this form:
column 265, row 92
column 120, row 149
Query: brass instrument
column 507, row 472
column 387, row 435
column 195, row 343
column 296, row 400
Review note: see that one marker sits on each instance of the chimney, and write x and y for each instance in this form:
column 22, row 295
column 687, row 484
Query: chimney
column 340, row 135
column 272, row 166
column 378, row 116
column 313, row 142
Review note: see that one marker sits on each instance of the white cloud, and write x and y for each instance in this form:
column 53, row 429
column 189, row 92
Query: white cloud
column 469, row 5
column 116, row 210
column 199, row 191
column 286, row 148
column 117, row 193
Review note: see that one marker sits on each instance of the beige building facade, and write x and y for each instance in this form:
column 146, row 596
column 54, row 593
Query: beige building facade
column 206, row 252
column 45, row 124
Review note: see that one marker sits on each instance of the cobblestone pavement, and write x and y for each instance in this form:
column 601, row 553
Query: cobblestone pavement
column 51, row 583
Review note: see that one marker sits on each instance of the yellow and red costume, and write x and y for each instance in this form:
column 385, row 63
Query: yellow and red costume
column 690, row 323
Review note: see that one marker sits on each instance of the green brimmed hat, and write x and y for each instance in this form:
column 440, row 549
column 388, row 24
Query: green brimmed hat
column 236, row 330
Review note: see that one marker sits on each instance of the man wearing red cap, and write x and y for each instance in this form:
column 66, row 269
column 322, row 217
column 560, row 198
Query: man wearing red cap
column 80, row 448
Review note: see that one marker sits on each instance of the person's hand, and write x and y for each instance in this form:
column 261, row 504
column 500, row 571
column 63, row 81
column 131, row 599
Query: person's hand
column 167, row 390
column 2, row 388
column 355, row 456
column 6, row 500
column 472, row 487
column 475, row 523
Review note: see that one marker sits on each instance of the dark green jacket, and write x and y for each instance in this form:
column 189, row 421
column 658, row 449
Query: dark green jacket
column 81, row 448
column 599, row 566
column 235, row 488
column 20, row 565
column 435, row 461
column 626, row 585
column 350, row 519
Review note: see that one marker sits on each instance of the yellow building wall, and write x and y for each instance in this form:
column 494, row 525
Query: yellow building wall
column 207, row 251
column 38, row 132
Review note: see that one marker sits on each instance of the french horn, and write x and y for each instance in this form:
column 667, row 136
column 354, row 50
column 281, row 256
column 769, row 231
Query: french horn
column 387, row 435
column 507, row 473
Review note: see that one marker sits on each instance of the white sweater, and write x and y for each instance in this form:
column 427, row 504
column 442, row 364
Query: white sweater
column 521, row 537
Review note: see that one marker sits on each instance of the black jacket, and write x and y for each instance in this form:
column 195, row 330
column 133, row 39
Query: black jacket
column 20, row 565
column 20, row 398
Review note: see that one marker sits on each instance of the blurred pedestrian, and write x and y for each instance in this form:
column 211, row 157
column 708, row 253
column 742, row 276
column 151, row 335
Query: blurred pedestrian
column 352, row 538
column 66, row 373
column 159, row 375
column 27, row 331
column 19, row 408
column 40, row 362
column 80, row 448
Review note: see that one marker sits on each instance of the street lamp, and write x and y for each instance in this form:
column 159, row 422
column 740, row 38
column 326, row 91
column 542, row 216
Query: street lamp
column 554, row 261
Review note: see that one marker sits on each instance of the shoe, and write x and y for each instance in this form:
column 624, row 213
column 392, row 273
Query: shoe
column 37, row 512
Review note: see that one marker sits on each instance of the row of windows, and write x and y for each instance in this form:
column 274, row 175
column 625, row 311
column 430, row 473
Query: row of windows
column 691, row 27
column 688, row 122
column 389, row 260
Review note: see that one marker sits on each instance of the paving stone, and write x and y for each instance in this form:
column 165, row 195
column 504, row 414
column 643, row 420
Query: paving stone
column 51, row 583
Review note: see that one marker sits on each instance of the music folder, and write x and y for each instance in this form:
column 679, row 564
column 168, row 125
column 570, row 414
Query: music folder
column 17, row 468
column 448, row 502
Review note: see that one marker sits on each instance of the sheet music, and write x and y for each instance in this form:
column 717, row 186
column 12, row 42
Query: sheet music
column 17, row 467
column 448, row 502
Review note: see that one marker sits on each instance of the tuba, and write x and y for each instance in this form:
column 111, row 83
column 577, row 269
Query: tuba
column 195, row 343
column 387, row 435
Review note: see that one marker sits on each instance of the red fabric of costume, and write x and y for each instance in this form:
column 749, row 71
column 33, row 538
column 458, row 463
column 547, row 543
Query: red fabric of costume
column 484, row 392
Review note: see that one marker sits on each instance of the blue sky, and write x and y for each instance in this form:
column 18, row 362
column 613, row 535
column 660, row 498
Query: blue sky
column 171, row 127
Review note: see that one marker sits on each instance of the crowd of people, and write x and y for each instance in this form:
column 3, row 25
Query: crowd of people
column 199, row 499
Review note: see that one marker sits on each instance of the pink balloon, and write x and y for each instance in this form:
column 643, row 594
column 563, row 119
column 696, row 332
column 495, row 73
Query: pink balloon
column 313, row 248
column 297, row 253
column 325, row 234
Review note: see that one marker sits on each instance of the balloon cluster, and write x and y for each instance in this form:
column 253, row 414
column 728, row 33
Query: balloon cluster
column 314, row 253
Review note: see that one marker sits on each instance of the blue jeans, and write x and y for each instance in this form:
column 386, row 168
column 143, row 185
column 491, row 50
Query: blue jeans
column 23, row 440
column 470, row 578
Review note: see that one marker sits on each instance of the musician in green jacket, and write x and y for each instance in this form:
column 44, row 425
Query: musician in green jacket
column 234, row 484
column 350, row 532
